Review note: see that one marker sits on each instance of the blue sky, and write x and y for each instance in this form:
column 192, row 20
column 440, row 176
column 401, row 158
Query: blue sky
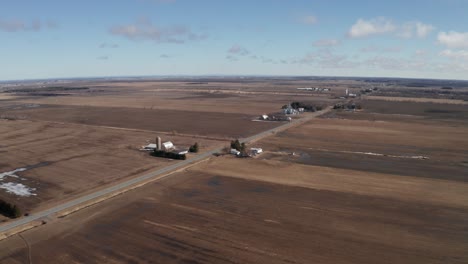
column 59, row 38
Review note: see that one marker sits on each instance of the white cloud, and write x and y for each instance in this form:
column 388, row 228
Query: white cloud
column 309, row 20
column 364, row 28
column 455, row 54
column 145, row 30
column 414, row 29
column 382, row 25
column 326, row 43
column 422, row 30
column 453, row 39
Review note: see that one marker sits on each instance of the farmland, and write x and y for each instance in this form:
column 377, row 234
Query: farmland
column 87, row 136
column 385, row 184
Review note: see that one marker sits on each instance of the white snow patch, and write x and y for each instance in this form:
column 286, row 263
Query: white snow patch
column 369, row 153
column 13, row 187
column 11, row 173
column 18, row 189
column 375, row 154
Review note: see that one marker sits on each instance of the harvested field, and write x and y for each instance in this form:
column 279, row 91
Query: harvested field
column 88, row 139
column 65, row 160
column 413, row 189
column 417, row 100
column 168, row 101
column 457, row 112
column 283, row 216
column 6, row 97
column 389, row 146
column 184, row 122
column 218, row 97
column 387, row 184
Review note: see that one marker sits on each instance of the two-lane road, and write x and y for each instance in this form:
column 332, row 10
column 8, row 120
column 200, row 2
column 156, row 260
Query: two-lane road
column 155, row 175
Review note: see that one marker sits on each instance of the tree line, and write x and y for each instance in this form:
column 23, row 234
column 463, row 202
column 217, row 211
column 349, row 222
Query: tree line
column 307, row 107
column 168, row 155
column 9, row 210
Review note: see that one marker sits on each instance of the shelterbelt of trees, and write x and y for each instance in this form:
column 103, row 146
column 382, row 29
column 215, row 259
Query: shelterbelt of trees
column 9, row 210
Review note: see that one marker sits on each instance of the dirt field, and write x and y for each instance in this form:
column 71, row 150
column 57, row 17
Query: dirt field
column 71, row 138
column 418, row 100
column 405, row 148
column 428, row 110
column 387, row 184
column 249, row 98
column 65, row 160
column 220, row 125
column 198, row 217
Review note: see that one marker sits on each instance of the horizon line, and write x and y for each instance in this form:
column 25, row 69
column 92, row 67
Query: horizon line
column 175, row 76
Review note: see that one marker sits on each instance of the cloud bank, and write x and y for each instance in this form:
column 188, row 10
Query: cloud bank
column 453, row 39
column 382, row 25
column 17, row 25
column 145, row 30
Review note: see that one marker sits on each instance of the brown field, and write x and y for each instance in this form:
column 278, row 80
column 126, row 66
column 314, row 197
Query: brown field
column 6, row 97
column 205, row 218
column 367, row 145
column 220, row 97
column 441, row 114
column 387, row 184
column 75, row 140
column 418, row 100
column 68, row 160
column 221, row 125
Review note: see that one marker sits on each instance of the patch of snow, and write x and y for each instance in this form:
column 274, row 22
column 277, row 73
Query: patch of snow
column 370, row 153
column 11, row 173
column 375, row 154
column 13, row 187
column 18, row 189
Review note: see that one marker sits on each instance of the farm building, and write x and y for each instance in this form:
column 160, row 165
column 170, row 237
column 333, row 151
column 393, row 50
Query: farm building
column 167, row 146
column 150, row 147
column 290, row 111
column 235, row 152
column 256, row 151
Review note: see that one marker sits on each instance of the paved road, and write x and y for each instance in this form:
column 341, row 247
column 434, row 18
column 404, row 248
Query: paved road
column 141, row 179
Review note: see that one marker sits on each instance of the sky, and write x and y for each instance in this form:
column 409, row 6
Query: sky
column 88, row 38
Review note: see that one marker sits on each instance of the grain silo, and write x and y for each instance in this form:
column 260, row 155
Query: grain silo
column 158, row 143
